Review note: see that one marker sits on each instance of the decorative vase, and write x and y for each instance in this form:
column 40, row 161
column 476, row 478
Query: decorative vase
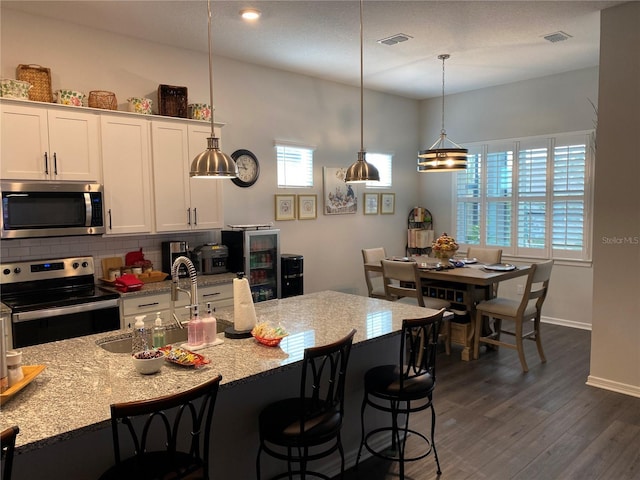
column 444, row 255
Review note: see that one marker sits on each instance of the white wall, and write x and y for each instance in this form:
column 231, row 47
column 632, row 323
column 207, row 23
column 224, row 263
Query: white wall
column 258, row 105
column 615, row 343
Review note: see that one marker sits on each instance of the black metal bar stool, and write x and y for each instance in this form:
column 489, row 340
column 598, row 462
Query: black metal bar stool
column 8, row 444
column 307, row 427
column 403, row 389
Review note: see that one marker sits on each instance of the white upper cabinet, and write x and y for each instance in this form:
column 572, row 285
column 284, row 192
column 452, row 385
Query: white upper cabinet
column 182, row 203
column 127, row 174
column 59, row 143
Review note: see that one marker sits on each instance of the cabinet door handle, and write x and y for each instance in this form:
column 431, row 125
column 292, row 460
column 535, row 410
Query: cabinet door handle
column 55, row 163
column 195, row 216
column 210, row 294
column 110, row 226
column 46, row 163
column 147, row 304
column 189, row 216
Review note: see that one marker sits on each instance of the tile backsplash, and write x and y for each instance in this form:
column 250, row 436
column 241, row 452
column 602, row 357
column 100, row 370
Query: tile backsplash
column 98, row 247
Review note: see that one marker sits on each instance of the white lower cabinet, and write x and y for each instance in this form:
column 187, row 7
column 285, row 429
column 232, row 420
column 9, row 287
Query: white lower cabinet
column 219, row 295
column 182, row 203
column 127, row 174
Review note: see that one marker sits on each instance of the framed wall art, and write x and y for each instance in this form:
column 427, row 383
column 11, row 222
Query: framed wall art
column 370, row 203
column 387, row 203
column 339, row 198
column 307, row 207
column 285, row 207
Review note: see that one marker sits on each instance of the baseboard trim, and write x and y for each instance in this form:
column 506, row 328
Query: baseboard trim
column 632, row 390
column 566, row 323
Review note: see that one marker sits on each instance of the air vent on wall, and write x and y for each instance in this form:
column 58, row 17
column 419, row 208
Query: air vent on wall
column 557, row 37
column 395, row 39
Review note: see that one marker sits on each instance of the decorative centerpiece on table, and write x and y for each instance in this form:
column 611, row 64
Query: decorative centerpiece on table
column 444, row 248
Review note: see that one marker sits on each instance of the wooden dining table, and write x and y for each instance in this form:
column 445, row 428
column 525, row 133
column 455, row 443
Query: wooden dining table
column 462, row 286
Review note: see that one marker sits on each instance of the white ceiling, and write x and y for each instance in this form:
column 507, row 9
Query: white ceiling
column 490, row 42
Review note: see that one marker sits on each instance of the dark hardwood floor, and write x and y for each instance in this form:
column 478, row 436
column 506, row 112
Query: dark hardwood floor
column 494, row 422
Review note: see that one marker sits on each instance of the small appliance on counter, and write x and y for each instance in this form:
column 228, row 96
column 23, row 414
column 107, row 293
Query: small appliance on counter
column 211, row 258
column 171, row 251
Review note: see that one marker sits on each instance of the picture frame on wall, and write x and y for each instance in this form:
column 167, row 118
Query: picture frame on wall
column 285, row 207
column 340, row 198
column 371, row 203
column 307, row 207
column 387, row 203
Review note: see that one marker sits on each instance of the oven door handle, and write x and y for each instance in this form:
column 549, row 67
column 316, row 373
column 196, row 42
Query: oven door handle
column 56, row 312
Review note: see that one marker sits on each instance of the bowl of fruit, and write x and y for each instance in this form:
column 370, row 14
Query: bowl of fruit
column 148, row 361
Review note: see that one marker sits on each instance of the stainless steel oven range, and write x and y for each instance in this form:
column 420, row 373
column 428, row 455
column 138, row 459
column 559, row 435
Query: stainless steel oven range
column 54, row 300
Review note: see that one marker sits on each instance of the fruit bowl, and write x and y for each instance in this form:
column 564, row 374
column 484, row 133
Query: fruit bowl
column 148, row 361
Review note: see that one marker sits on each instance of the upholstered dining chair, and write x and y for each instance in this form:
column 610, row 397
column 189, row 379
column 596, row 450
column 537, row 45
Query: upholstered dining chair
column 486, row 256
column 170, row 435
column 307, row 427
column 401, row 389
column 527, row 309
column 373, row 278
column 8, row 444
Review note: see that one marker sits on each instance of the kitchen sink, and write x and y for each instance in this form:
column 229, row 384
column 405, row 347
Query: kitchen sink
column 172, row 335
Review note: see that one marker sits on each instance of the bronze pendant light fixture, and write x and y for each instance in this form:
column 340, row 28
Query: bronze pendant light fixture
column 212, row 163
column 444, row 155
column 361, row 171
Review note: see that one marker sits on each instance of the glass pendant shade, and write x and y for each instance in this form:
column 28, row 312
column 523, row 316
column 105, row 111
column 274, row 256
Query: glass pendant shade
column 362, row 171
column 212, row 163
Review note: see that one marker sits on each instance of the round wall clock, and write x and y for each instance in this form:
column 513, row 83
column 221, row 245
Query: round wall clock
column 248, row 168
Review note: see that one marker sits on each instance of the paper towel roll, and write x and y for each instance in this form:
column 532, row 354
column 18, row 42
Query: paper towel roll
column 244, row 313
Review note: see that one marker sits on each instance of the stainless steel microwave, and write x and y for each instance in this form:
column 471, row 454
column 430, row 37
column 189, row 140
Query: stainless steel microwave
column 51, row 209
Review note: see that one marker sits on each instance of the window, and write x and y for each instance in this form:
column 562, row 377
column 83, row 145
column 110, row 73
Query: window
column 295, row 165
column 383, row 163
column 529, row 196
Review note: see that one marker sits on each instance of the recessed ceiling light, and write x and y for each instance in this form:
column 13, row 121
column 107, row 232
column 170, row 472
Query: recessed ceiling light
column 250, row 14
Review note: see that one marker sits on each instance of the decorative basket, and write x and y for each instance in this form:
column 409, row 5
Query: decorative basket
column 269, row 342
column 172, row 101
column 103, row 99
column 40, row 79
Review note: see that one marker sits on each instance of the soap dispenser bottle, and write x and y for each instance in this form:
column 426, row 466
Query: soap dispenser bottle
column 209, row 327
column 158, row 333
column 194, row 329
column 139, row 342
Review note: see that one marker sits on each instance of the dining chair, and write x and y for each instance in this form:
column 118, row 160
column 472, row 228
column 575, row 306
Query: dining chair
column 307, row 427
column 527, row 309
column 486, row 256
column 401, row 389
column 8, row 444
column 375, row 287
column 400, row 282
column 169, row 436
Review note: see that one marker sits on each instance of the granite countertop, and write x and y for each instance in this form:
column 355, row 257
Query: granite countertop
column 81, row 380
column 165, row 285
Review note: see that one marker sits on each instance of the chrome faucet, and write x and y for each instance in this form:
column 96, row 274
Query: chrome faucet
column 175, row 289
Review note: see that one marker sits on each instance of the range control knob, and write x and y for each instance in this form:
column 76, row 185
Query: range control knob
column 85, row 264
column 75, row 265
column 6, row 271
column 17, row 270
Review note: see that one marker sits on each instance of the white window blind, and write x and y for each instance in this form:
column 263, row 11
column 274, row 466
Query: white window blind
column 383, row 162
column 295, row 166
column 528, row 196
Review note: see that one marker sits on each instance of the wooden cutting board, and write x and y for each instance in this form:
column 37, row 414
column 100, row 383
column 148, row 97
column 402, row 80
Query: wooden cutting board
column 110, row 262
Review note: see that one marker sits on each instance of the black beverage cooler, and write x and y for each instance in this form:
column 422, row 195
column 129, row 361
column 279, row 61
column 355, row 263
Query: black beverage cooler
column 292, row 275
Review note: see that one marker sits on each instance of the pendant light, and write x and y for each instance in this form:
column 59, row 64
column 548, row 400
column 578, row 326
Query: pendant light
column 444, row 155
column 212, row 163
column 361, row 171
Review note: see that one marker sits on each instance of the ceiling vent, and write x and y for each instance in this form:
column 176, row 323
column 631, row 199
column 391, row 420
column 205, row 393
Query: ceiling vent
column 395, row 39
column 557, row 37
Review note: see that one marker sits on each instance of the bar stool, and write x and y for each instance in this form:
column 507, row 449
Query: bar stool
column 8, row 444
column 170, row 435
column 307, row 427
column 403, row 389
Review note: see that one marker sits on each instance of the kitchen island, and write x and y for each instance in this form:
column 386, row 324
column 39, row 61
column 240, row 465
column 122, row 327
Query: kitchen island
column 63, row 414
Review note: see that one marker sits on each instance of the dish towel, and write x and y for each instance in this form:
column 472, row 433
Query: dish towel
column 244, row 312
